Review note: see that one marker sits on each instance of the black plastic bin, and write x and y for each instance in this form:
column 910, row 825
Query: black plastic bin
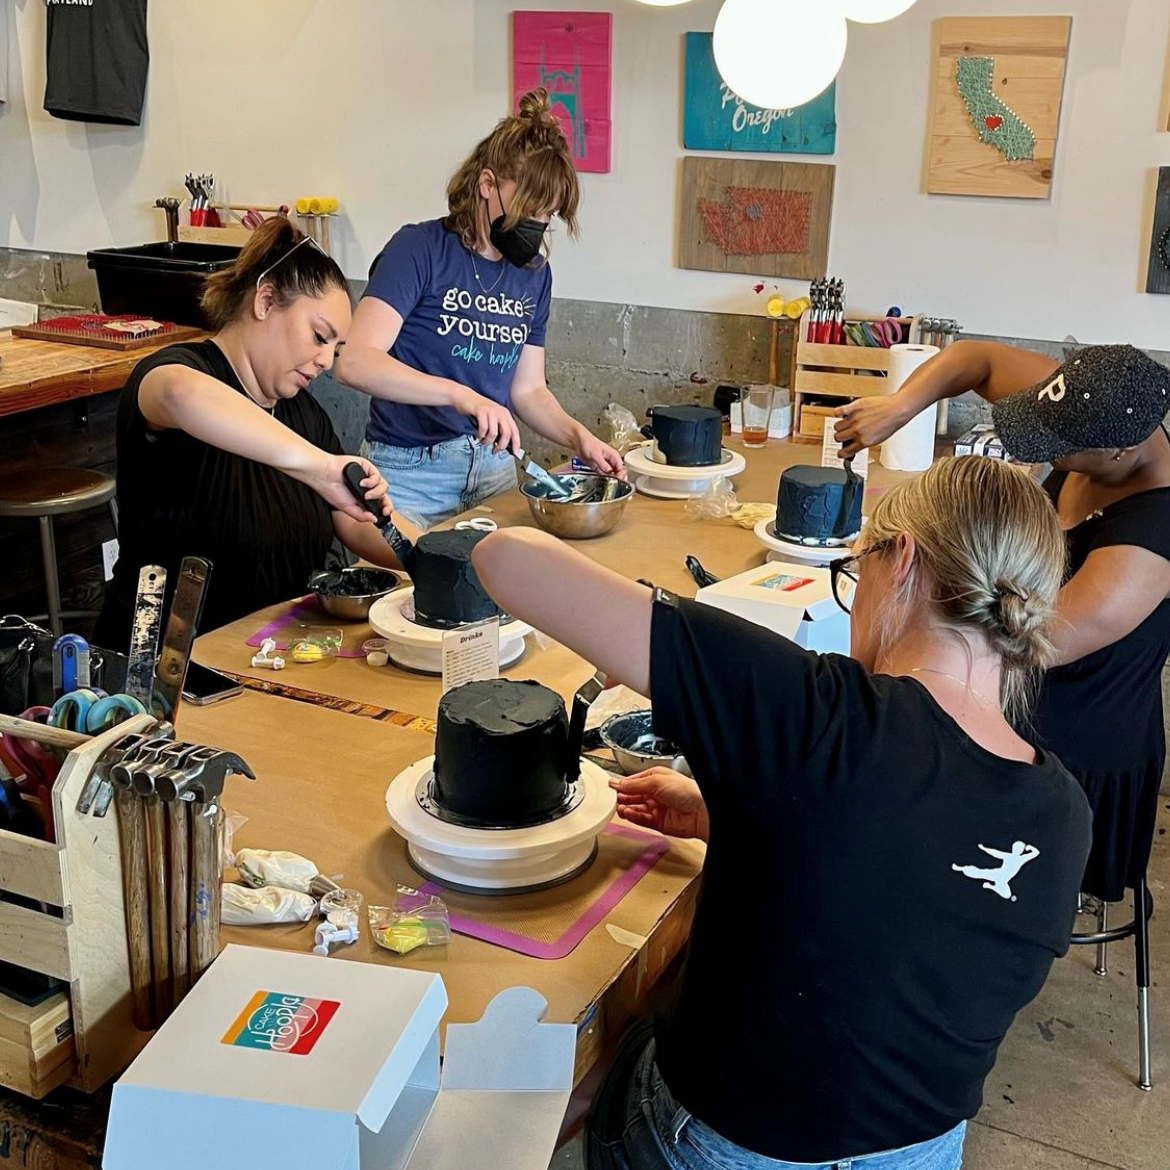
column 162, row 281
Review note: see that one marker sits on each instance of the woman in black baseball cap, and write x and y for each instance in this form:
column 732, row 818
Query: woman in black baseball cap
column 1098, row 419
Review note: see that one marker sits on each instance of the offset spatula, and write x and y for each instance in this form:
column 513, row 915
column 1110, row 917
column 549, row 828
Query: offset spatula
column 186, row 606
column 354, row 473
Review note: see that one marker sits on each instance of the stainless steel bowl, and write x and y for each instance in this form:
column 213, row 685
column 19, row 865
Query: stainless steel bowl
column 593, row 516
column 631, row 738
column 330, row 586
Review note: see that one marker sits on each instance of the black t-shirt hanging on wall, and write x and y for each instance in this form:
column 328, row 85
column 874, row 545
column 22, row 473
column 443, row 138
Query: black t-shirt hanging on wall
column 97, row 60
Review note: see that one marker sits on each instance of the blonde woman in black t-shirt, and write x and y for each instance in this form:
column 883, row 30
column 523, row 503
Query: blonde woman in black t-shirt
column 812, row 1028
column 224, row 454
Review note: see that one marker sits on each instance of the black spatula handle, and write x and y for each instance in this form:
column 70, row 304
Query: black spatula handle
column 353, row 474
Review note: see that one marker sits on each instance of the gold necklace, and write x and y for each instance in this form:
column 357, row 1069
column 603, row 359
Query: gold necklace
column 244, row 385
column 965, row 686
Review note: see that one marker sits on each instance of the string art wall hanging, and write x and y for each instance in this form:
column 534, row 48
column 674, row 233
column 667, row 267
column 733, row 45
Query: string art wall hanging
column 996, row 94
column 757, row 218
column 1158, row 274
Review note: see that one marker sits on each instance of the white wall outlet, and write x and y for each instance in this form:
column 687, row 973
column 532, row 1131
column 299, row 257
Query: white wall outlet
column 109, row 556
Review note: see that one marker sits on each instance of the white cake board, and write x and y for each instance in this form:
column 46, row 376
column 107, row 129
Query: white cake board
column 420, row 648
column 785, row 550
column 500, row 860
column 678, row 483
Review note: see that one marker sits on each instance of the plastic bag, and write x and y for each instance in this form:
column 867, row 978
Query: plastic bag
column 716, row 501
column 244, row 906
column 315, row 644
column 413, row 920
column 623, row 427
column 232, row 823
column 264, row 867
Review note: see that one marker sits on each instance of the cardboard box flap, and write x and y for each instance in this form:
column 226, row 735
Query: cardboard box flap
column 191, row 1131
column 510, row 1049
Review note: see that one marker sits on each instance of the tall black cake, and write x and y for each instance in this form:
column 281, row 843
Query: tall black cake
column 447, row 591
column 501, row 753
column 688, row 436
column 818, row 505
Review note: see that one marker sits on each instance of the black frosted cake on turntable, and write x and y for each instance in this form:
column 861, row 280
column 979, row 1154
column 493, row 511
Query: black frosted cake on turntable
column 688, row 436
column 501, row 754
column 818, row 505
column 447, row 591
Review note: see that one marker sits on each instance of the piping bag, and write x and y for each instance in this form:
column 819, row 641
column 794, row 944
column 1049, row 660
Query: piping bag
column 354, row 473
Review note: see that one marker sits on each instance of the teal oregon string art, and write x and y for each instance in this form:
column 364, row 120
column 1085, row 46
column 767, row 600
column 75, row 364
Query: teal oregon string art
column 995, row 122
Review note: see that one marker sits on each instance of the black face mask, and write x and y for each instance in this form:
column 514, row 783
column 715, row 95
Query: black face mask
column 519, row 245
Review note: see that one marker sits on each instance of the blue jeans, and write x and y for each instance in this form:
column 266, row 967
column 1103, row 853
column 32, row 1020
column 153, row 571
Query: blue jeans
column 431, row 484
column 642, row 1127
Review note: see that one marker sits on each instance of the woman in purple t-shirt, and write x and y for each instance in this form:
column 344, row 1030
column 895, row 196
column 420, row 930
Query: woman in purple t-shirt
column 449, row 337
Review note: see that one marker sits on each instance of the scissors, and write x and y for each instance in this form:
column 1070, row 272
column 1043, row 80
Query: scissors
column 883, row 334
column 35, row 768
column 477, row 524
column 91, row 711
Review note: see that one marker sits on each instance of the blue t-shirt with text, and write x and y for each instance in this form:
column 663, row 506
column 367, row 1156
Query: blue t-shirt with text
column 463, row 318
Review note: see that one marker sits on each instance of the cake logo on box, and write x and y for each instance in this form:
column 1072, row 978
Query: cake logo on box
column 785, row 582
column 281, row 1023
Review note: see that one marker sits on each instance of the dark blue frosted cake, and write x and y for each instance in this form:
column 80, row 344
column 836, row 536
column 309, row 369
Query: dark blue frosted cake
column 688, row 436
column 818, row 505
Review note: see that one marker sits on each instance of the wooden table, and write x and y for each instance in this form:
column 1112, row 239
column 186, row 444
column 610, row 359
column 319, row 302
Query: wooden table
column 321, row 792
column 42, row 373
column 651, row 542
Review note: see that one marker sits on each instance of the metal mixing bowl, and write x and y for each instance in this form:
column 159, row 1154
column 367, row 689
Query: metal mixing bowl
column 631, row 738
column 330, row 587
column 594, row 516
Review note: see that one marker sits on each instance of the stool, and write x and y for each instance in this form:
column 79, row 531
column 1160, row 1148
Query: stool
column 54, row 491
column 1139, row 930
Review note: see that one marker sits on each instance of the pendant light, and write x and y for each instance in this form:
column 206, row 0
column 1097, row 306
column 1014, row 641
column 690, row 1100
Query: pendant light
column 779, row 55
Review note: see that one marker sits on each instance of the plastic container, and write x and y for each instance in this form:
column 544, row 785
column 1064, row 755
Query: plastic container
column 162, row 281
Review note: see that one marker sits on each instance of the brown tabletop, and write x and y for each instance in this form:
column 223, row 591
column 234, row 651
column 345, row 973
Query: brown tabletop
column 43, row 373
column 652, row 541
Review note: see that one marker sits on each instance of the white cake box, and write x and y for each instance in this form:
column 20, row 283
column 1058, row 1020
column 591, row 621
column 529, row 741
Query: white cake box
column 281, row 1060
column 795, row 601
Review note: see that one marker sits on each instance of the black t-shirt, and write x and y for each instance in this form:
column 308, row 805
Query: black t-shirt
column 1103, row 713
column 263, row 532
column 848, row 983
column 97, row 60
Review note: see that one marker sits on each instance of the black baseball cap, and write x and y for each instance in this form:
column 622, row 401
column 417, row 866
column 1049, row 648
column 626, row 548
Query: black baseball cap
column 1103, row 396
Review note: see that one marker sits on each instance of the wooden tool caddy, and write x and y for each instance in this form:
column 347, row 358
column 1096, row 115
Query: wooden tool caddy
column 838, row 372
column 83, row 1036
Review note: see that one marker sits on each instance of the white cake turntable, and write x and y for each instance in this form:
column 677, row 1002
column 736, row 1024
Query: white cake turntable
column 420, row 648
column 652, row 477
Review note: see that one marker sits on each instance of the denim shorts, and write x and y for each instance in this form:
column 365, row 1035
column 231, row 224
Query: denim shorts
column 638, row 1125
column 431, row 484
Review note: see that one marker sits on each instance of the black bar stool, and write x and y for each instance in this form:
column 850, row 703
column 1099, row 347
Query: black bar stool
column 1139, row 930
column 54, row 491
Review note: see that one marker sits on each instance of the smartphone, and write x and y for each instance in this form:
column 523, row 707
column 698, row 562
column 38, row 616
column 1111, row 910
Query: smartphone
column 203, row 686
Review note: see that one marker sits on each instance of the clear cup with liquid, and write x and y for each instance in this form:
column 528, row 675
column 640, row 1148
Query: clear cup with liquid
column 757, row 402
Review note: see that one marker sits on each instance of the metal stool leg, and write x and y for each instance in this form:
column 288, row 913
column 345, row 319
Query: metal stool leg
column 1102, row 925
column 1141, row 946
column 114, row 514
column 52, row 586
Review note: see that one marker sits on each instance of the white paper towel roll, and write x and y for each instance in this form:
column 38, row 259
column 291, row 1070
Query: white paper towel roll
column 911, row 448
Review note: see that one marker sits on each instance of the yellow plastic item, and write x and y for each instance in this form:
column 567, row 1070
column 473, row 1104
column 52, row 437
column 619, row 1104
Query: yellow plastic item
column 307, row 652
column 795, row 309
column 303, row 206
column 775, row 306
column 403, row 936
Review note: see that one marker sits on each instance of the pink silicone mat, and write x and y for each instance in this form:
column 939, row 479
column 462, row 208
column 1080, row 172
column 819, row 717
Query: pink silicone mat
column 303, row 613
column 535, row 924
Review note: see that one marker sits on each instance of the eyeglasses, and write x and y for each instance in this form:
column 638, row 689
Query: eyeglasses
column 302, row 240
column 844, row 575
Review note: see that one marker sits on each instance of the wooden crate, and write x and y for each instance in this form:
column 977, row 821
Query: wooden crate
column 813, row 419
column 838, row 371
column 80, row 937
column 37, row 1050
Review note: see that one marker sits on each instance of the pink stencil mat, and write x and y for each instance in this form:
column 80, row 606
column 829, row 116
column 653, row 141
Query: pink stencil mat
column 533, row 924
column 304, row 611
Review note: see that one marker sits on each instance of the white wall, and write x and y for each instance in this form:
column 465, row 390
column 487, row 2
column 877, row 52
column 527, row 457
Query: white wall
column 377, row 100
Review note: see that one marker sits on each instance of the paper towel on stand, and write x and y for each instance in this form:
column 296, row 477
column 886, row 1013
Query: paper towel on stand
column 912, row 447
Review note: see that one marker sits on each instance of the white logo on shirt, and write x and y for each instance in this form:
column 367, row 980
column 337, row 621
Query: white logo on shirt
column 997, row 879
column 1049, row 391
